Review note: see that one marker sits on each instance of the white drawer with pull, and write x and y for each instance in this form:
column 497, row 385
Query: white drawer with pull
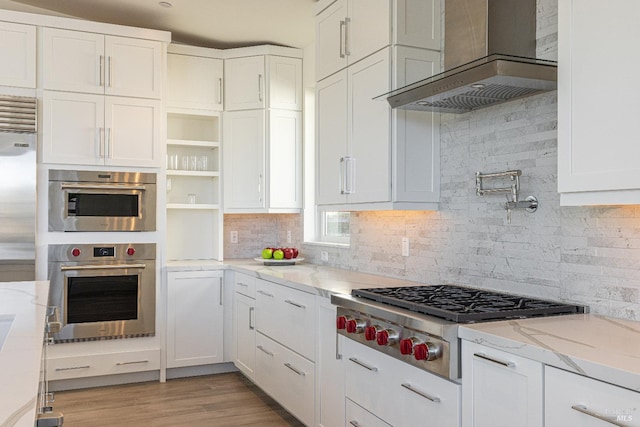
column 357, row 416
column 102, row 364
column 244, row 284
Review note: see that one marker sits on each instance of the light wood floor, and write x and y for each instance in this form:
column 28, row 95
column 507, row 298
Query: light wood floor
column 225, row 400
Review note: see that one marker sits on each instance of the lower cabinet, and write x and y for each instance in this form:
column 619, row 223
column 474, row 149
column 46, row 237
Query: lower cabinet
column 357, row 416
column 574, row 400
column 62, row 368
column 195, row 316
column 398, row 393
column 330, row 400
column 245, row 334
column 500, row 389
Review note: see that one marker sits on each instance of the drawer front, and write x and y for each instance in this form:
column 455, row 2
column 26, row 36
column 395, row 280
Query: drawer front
column 103, row 364
column 287, row 316
column 574, row 400
column 244, row 284
column 357, row 416
column 287, row 377
column 397, row 392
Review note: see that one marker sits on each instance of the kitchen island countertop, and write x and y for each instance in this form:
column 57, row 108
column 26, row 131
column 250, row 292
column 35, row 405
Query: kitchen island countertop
column 24, row 305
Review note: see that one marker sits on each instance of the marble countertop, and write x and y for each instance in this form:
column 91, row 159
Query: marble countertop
column 21, row 354
column 599, row 347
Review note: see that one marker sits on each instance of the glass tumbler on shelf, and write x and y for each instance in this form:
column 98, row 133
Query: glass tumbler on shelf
column 193, row 163
column 185, row 163
column 191, row 198
column 203, row 163
column 172, row 161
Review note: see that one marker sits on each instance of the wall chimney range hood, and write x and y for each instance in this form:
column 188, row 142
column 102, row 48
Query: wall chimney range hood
column 489, row 55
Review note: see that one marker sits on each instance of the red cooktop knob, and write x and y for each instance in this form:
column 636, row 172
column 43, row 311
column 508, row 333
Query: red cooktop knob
column 383, row 337
column 352, row 326
column 341, row 322
column 421, row 351
column 130, row 251
column 75, row 252
column 406, row 346
column 370, row 333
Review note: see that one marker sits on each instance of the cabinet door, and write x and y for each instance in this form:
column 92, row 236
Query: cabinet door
column 331, row 138
column 369, row 129
column 285, row 159
column 73, row 128
column 133, row 67
column 18, row 53
column 245, row 85
column 244, row 178
column 133, row 131
column 285, row 83
column 330, row 33
column 575, row 400
column 330, row 368
column 194, row 318
column 368, row 28
column 194, row 82
column 73, row 61
column 500, row 389
column 244, row 334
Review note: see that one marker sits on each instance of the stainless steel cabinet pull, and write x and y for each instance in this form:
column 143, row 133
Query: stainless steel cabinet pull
column 584, row 410
column 421, row 393
column 72, row 368
column 498, row 361
column 347, row 22
column 101, row 65
column 266, row 294
column 110, row 71
column 264, row 350
column 260, row 87
column 101, row 140
column 131, row 363
column 338, row 355
column 221, row 291
column 220, row 90
column 100, row 267
column 251, row 325
column 242, row 284
column 295, row 304
column 260, row 187
column 77, row 186
column 109, row 153
column 297, row 371
column 342, row 34
column 364, row 365
column 354, row 423
column 341, row 176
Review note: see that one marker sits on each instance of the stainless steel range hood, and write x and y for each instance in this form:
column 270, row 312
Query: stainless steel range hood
column 489, row 58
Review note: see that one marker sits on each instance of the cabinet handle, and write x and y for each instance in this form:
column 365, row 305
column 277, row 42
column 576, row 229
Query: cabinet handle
column 251, row 324
column 342, row 31
column 101, row 141
column 295, row 304
column 338, row 354
column 260, row 187
column 364, row 365
column 220, row 91
column 297, row 371
column 73, row 368
column 131, row 363
column 350, row 174
column 242, row 284
column 498, row 361
column 109, row 148
column 354, row 423
column 221, row 291
column 421, row 393
column 110, row 70
column 584, row 410
column 260, row 87
column 347, row 22
column 341, row 175
column 101, row 65
column 266, row 294
column 264, row 350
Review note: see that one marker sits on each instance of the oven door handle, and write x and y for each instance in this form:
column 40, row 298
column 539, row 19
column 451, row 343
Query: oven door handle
column 75, row 186
column 100, row 267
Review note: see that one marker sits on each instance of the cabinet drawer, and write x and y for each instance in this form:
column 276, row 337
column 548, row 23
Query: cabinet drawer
column 288, row 316
column 103, row 364
column 244, row 284
column 574, row 400
column 397, row 392
column 357, row 416
column 287, row 377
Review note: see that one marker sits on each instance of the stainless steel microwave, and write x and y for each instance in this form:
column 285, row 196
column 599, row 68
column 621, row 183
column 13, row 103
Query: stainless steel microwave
column 101, row 201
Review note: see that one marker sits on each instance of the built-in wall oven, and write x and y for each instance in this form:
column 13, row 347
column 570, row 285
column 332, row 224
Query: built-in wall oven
column 104, row 291
column 101, row 201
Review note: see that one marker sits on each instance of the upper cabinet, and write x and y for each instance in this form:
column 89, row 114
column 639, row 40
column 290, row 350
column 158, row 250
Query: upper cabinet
column 94, row 63
column 195, row 80
column 18, row 53
column 350, row 30
column 597, row 149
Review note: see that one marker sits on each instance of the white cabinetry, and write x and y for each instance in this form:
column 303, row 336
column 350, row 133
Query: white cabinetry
column 75, row 61
column 194, row 217
column 17, row 55
column 194, row 318
column 99, row 364
column 244, row 324
column 597, row 145
column 500, row 389
column 396, row 392
column 575, row 400
column 369, row 157
column 330, row 398
column 350, row 30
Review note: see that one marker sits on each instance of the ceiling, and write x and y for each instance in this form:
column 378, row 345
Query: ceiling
column 209, row 23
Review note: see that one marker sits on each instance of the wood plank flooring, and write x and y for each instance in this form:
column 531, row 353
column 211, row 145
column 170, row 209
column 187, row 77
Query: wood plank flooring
column 227, row 400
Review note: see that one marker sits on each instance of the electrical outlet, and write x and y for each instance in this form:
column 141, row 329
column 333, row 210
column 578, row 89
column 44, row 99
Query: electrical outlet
column 324, row 256
column 405, row 246
column 288, row 236
column 234, row 237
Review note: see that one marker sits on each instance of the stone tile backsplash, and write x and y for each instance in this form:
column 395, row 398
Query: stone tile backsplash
column 587, row 255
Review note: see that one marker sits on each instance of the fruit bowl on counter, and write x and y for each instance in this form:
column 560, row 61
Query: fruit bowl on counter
column 279, row 256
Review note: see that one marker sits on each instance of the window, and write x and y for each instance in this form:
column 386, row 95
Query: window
column 334, row 227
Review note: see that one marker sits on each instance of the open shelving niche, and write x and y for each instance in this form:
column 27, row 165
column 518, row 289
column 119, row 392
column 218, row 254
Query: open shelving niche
column 194, row 230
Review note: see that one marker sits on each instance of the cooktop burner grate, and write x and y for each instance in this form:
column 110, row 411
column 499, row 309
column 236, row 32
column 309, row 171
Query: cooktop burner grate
column 465, row 305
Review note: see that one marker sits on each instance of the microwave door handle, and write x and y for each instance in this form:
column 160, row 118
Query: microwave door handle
column 100, row 267
column 69, row 186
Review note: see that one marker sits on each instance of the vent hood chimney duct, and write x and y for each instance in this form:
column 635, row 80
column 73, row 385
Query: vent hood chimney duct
column 489, row 55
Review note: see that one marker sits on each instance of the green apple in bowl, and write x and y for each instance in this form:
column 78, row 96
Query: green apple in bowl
column 278, row 254
column 267, row 253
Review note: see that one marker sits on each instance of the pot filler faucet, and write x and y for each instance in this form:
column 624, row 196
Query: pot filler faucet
column 530, row 204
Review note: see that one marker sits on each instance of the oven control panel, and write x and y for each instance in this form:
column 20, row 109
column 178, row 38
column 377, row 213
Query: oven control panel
column 417, row 348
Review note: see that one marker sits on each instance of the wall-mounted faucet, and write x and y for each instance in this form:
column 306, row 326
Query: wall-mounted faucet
column 530, row 204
